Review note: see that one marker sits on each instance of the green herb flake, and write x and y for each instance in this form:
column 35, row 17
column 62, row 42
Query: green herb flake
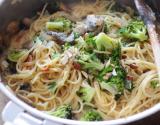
column 52, row 87
column 55, row 55
column 154, row 84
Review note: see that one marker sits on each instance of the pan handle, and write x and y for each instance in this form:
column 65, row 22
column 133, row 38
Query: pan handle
column 15, row 115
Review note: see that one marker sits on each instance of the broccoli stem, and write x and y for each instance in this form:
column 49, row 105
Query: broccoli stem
column 91, row 65
column 54, row 25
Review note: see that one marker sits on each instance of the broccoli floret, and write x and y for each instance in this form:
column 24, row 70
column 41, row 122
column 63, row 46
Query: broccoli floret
column 87, row 44
column 86, row 93
column 101, row 42
column 91, row 115
column 89, row 61
column 116, row 55
column 113, row 77
column 87, row 58
column 66, row 46
column 115, row 85
column 103, row 72
column 104, row 42
column 60, row 24
column 90, row 42
column 136, row 29
column 14, row 55
column 64, row 111
column 76, row 35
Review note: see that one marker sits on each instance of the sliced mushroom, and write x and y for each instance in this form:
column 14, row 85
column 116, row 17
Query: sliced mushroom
column 93, row 23
column 61, row 37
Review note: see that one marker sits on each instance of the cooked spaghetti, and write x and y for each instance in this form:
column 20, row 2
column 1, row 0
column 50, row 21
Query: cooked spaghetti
column 94, row 59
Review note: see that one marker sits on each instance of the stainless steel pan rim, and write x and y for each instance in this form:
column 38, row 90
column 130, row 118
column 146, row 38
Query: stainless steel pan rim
column 42, row 115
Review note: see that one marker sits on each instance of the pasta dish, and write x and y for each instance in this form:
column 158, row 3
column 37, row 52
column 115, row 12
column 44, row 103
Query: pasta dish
column 89, row 62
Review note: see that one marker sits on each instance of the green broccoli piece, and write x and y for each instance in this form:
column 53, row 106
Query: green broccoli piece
column 63, row 111
column 115, row 85
column 113, row 77
column 91, row 115
column 101, row 42
column 86, row 93
column 87, row 44
column 76, row 35
column 66, row 46
column 104, row 42
column 154, row 84
column 116, row 55
column 136, row 29
column 105, row 70
column 52, row 87
column 90, row 42
column 14, row 55
column 89, row 61
column 59, row 24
